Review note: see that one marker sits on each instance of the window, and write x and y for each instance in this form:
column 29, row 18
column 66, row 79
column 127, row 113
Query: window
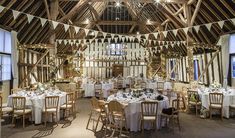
column 172, row 66
column 233, row 67
column 116, row 49
column 232, row 44
column 5, row 55
column 196, row 69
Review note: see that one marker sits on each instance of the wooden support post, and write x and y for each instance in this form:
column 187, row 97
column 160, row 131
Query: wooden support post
column 35, row 65
column 207, row 65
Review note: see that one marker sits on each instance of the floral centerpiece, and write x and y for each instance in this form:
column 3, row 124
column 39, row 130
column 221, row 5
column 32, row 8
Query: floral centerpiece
column 215, row 85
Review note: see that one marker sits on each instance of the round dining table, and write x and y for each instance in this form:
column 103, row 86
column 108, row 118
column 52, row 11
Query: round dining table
column 229, row 99
column 133, row 107
column 35, row 101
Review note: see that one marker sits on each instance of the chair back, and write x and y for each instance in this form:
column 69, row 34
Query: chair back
column 0, row 106
column 70, row 98
column 119, row 83
column 95, row 103
column 115, row 107
column 160, row 85
column 143, row 84
column 175, row 106
column 149, row 108
column 216, row 98
column 15, row 90
column 98, row 86
column 51, row 102
column 18, row 103
column 194, row 93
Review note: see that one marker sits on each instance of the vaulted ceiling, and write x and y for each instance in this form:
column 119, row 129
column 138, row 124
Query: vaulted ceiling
column 128, row 18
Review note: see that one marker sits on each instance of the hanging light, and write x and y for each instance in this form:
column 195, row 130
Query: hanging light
column 118, row 4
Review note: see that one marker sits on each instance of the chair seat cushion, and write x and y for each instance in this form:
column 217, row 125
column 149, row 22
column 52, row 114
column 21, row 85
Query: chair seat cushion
column 216, row 105
column 21, row 112
column 4, row 104
column 168, row 111
column 194, row 103
column 232, row 106
column 7, row 109
column 50, row 110
column 149, row 118
column 64, row 106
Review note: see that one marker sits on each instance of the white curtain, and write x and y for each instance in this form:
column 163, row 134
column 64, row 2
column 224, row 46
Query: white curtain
column 14, row 59
column 224, row 42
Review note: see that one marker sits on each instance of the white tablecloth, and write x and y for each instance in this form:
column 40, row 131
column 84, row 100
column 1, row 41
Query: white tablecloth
column 229, row 98
column 90, row 89
column 36, row 103
column 153, row 85
column 133, row 110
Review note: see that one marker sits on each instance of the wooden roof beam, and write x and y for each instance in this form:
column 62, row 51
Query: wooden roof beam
column 195, row 12
column 74, row 10
column 177, row 21
column 141, row 1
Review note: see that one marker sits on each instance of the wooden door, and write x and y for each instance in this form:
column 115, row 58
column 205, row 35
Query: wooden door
column 117, row 70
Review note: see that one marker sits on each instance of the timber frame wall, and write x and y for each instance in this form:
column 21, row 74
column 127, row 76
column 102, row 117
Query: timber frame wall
column 213, row 73
column 28, row 60
column 98, row 65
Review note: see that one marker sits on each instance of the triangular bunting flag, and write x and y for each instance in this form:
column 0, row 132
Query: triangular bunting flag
column 221, row 24
column 185, row 30
column 102, row 40
column 109, row 40
column 86, row 31
column 30, row 17
column 1, row 8
column 196, row 28
column 54, row 24
column 233, row 20
column 15, row 14
column 96, row 33
column 43, row 21
column 123, row 39
column 76, row 29
column 175, row 32
column 74, row 41
column 112, row 36
column 155, row 35
column 66, row 27
column 166, row 46
column 115, row 39
column 208, row 26
column 65, row 42
column 104, row 34
column 77, row 44
column 165, row 33
column 146, row 36
column 96, row 41
column 59, row 41
column 79, row 41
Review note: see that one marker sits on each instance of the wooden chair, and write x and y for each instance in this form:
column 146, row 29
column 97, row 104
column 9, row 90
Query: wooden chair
column 98, row 90
column 194, row 100
column 160, row 86
column 149, row 113
column 4, row 110
column 13, row 91
column 19, row 109
column 216, row 102
column 117, row 118
column 143, row 84
column 68, row 107
column 173, row 114
column 119, row 83
column 96, row 113
column 51, row 107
